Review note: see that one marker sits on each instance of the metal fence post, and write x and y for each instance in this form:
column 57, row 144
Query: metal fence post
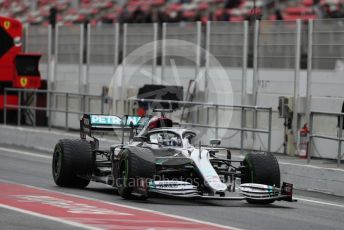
column 67, row 108
column 56, row 100
column 198, row 48
column 216, row 121
column 340, row 132
column 81, row 49
column 242, row 131
column 124, row 51
column 155, row 51
column 49, row 77
column 124, row 106
column 128, row 107
column 102, row 104
column 309, row 147
column 88, row 58
column 309, row 70
column 5, row 107
column 116, row 47
column 56, row 54
column 255, row 63
column 19, row 108
column 163, row 53
column 84, row 103
column 207, row 61
column 208, row 109
column 244, row 72
column 89, row 105
column 116, row 105
column 244, row 64
column 49, row 110
column 269, row 128
column 255, row 74
column 296, row 78
column 35, row 109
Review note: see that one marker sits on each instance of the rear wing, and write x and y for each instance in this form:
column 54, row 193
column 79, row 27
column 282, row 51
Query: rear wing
column 90, row 123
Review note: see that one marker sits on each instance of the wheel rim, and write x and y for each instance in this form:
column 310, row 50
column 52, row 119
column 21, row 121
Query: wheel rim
column 124, row 173
column 57, row 161
column 123, row 176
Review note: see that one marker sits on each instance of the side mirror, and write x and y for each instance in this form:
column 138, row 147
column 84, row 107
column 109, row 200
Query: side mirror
column 215, row 142
column 140, row 139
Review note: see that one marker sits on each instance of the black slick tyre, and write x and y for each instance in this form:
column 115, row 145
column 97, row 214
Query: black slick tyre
column 135, row 162
column 72, row 163
column 262, row 168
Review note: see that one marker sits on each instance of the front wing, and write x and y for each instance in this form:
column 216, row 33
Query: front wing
column 253, row 192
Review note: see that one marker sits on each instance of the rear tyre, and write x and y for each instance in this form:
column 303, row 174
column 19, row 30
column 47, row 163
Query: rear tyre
column 72, row 163
column 134, row 163
column 262, row 168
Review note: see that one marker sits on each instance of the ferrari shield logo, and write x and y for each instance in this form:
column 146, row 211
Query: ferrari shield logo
column 23, row 82
column 7, row 25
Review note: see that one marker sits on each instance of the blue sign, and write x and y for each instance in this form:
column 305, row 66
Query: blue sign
column 105, row 120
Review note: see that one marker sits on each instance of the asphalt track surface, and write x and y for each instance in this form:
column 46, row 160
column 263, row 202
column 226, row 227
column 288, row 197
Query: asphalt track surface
column 312, row 211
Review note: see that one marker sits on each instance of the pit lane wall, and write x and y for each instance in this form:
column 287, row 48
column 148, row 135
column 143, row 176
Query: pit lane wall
column 303, row 176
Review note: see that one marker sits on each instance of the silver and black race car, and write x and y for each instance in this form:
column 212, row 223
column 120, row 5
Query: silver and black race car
column 160, row 158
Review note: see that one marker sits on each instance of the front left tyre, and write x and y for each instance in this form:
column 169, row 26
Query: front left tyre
column 73, row 163
column 135, row 163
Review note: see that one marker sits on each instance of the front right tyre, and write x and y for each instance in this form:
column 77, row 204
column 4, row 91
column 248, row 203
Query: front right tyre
column 261, row 168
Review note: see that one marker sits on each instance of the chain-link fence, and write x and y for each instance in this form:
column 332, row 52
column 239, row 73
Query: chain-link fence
column 276, row 72
column 266, row 67
column 38, row 40
column 181, row 52
column 277, row 56
column 140, row 50
column 226, row 46
column 327, row 58
column 69, row 53
column 103, row 42
column 102, row 58
column 325, row 79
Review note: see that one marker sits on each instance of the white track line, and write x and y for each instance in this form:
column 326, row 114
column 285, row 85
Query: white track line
column 31, row 154
column 319, row 202
column 71, row 223
column 312, row 166
column 127, row 206
column 282, row 162
column 26, row 153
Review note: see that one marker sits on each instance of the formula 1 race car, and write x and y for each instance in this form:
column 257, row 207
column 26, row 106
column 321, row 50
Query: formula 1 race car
column 160, row 158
